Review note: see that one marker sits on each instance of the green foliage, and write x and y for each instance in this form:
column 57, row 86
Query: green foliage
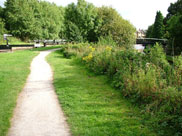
column 175, row 31
column 158, row 29
column 173, row 26
column 33, row 19
column 84, row 22
column 20, row 21
column 81, row 19
column 1, row 12
column 51, row 19
column 107, row 40
column 94, row 108
column 2, row 27
column 79, row 22
column 174, row 9
column 149, row 32
column 147, row 79
column 73, row 32
column 122, row 32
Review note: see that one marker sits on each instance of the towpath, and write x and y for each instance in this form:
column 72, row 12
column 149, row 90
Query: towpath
column 38, row 112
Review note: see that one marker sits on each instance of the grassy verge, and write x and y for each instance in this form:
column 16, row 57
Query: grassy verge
column 12, row 41
column 14, row 69
column 92, row 107
column 46, row 48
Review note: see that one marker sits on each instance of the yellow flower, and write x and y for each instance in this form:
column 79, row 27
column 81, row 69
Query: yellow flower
column 108, row 48
column 93, row 49
column 84, row 58
column 90, row 55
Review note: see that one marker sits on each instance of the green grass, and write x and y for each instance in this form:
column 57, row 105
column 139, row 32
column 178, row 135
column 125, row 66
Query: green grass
column 14, row 69
column 12, row 41
column 46, row 48
column 92, row 107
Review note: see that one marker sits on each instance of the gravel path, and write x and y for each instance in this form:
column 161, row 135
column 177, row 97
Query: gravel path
column 38, row 112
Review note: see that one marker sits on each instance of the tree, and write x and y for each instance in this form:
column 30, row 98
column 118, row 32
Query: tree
column 175, row 31
column 20, row 20
column 174, row 9
column 2, row 28
column 1, row 12
column 84, row 16
column 158, row 30
column 149, row 32
column 51, row 19
column 122, row 32
column 33, row 19
column 73, row 32
column 2, row 24
column 173, row 22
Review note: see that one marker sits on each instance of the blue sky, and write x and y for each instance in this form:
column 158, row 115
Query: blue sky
column 141, row 13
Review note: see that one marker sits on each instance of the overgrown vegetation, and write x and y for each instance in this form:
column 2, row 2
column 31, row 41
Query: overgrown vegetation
column 92, row 107
column 145, row 78
column 14, row 69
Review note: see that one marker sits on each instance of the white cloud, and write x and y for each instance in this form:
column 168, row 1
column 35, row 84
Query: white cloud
column 141, row 13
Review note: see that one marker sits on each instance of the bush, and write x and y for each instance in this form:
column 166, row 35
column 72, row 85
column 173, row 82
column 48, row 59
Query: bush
column 147, row 79
column 107, row 40
column 121, row 30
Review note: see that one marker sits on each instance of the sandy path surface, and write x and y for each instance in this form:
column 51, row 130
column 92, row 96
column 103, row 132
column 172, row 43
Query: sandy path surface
column 38, row 112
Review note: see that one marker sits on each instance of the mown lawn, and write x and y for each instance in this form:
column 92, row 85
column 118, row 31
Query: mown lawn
column 46, row 48
column 14, row 69
column 92, row 107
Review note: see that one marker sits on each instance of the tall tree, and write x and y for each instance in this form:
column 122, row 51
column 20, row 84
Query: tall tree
column 158, row 30
column 173, row 23
column 149, row 33
column 33, row 19
column 174, row 9
column 1, row 12
column 2, row 29
column 51, row 18
column 20, row 20
column 122, row 32
column 175, row 31
column 82, row 18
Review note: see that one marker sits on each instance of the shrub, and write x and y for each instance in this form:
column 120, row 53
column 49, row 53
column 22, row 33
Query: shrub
column 146, row 78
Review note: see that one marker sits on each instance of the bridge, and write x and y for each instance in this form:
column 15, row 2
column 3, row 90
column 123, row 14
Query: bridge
column 151, row 41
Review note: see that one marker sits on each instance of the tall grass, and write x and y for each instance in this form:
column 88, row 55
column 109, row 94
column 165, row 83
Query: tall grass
column 147, row 79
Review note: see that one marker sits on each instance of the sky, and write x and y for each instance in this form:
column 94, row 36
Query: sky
column 140, row 13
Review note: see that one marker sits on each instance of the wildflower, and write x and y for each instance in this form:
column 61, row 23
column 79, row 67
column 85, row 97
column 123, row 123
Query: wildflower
column 84, row 58
column 108, row 48
column 88, row 58
column 93, row 49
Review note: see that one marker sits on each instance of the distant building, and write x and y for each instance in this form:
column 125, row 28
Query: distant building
column 140, row 33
